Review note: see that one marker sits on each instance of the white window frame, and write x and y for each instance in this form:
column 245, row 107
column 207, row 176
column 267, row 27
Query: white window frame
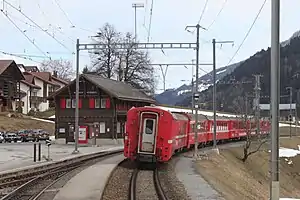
column 68, row 103
column 73, row 103
column 34, row 93
column 97, row 103
column 103, row 103
column 101, row 131
column 118, row 127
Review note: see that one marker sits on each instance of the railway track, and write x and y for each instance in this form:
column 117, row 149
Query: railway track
column 32, row 185
column 160, row 195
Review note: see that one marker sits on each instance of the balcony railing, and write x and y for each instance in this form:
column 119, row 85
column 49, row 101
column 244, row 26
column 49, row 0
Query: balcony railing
column 50, row 93
column 37, row 99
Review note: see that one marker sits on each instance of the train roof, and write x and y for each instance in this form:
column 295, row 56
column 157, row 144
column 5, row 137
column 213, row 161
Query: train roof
column 179, row 116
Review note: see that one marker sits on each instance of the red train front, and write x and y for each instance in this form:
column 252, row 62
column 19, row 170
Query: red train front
column 152, row 134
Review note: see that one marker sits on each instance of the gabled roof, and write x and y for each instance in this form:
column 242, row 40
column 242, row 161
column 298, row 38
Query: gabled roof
column 117, row 89
column 31, row 68
column 4, row 64
column 56, row 79
column 44, row 76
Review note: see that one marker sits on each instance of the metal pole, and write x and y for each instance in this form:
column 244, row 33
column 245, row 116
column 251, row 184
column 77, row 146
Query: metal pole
column 214, row 94
column 275, row 83
column 34, row 152
column 257, row 101
column 193, row 91
column 196, row 92
column 291, row 99
column 136, row 5
column 77, row 100
column 290, row 114
column 135, row 23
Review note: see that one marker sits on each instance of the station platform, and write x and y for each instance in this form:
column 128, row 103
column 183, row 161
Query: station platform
column 89, row 183
column 16, row 156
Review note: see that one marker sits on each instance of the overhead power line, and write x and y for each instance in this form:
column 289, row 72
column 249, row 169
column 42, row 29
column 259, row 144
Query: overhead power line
column 4, row 1
column 62, row 10
column 203, row 10
column 24, row 56
column 150, row 22
column 247, row 34
column 24, row 34
column 217, row 16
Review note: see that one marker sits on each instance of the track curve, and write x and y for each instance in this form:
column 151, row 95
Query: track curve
column 133, row 185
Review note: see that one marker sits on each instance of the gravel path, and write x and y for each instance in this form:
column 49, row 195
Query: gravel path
column 118, row 185
column 145, row 189
column 196, row 186
column 172, row 187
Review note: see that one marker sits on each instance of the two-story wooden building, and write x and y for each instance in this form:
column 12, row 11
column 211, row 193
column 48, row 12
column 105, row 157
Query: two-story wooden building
column 10, row 93
column 103, row 105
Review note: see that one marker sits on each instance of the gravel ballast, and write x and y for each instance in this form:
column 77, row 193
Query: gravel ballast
column 145, row 188
column 118, row 184
column 172, row 187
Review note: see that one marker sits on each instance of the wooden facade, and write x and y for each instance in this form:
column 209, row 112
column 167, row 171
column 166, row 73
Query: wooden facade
column 101, row 109
column 10, row 77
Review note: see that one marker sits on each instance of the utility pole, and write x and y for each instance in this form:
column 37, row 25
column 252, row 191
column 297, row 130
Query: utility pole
column 135, row 6
column 196, row 94
column 290, row 115
column 257, row 89
column 275, row 85
column 215, row 89
column 77, row 100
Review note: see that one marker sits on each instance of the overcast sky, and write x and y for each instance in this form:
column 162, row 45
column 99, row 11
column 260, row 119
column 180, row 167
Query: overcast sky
column 168, row 25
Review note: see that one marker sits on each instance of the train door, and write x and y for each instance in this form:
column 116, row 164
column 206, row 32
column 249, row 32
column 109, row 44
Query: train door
column 148, row 131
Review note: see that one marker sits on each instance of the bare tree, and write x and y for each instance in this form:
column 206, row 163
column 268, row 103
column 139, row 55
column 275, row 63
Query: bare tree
column 253, row 142
column 135, row 67
column 104, row 61
column 63, row 68
column 130, row 64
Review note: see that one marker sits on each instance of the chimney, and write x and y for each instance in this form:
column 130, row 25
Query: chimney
column 55, row 74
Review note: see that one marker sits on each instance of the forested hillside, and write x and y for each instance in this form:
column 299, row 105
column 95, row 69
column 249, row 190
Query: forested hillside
column 233, row 87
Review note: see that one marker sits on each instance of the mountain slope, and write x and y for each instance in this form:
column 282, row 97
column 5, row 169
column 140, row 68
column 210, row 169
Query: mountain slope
column 231, row 97
column 178, row 95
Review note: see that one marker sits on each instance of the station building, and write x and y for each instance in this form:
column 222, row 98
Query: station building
column 103, row 105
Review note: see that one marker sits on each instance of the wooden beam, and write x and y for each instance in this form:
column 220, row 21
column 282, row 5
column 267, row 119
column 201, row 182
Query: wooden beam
column 70, row 93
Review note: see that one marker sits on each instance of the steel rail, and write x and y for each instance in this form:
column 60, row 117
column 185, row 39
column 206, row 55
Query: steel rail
column 56, row 174
column 159, row 190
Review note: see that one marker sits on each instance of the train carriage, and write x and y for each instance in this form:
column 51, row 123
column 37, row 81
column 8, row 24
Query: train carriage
column 154, row 134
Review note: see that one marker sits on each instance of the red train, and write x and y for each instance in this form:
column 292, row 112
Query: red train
column 154, row 135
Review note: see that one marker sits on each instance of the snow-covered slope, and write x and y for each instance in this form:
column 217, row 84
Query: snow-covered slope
column 173, row 96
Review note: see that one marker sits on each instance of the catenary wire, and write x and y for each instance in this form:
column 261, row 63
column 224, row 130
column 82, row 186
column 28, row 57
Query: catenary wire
column 24, row 34
column 62, row 10
column 252, row 25
column 217, row 16
column 38, row 25
column 150, row 22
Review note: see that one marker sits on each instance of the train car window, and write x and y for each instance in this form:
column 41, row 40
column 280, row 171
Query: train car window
column 149, row 126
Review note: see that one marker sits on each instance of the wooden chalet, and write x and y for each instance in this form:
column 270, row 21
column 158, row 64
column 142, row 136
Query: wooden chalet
column 10, row 93
column 103, row 105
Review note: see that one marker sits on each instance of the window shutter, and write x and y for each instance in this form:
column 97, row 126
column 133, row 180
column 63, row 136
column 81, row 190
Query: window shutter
column 107, row 103
column 92, row 103
column 62, row 103
column 80, row 103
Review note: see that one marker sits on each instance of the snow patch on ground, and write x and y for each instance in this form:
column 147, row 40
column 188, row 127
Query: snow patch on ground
column 287, row 153
column 288, row 199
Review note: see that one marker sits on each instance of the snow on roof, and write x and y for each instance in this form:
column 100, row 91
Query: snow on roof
column 207, row 113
